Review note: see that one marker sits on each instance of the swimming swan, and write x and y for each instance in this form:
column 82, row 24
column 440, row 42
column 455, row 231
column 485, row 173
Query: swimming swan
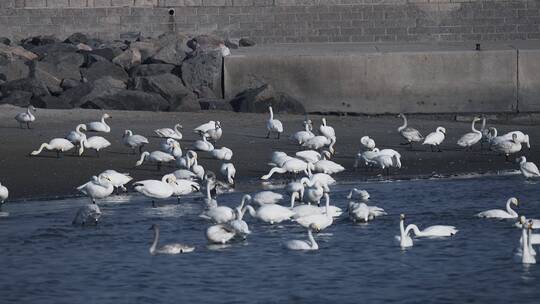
column 155, row 189
column 267, row 197
column 58, row 145
column 4, row 194
column 433, row 231
column 435, row 138
column 502, row 214
column 220, row 234
column 528, row 169
column 134, row 141
column 321, row 221
column 170, row 133
column 525, row 255
column 26, row 117
column 223, row 214
column 99, row 126
column 310, row 244
column 273, row 125
column 228, row 171
column 175, row 248
column 403, row 238
column 271, row 213
column 410, row 134
column 88, row 214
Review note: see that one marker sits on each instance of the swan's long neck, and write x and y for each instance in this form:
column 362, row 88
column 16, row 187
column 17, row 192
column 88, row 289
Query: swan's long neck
column 251, row 211
column 414, row 228
column 143, row 157
column 176, row 128
column 402, row 229
column 43, row 146
column 271, row 113
column 313, row 244
column 294, row 195
column 272, row 171
column 155, row 242
column 509, row 209
column 483, row 123
column 208, row 195
column 404, row 123
column 473, row 129
column 327, row 206
column 331, row 146
column 522, row 161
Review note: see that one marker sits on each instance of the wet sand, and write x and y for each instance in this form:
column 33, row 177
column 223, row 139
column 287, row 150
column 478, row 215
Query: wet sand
column 45, row 176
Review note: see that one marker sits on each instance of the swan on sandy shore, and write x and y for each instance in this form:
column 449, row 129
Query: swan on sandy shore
column 95, row 143
column 319, row 142
column 292, row 165
column 507, row 147
column 99, row 126
column 58, row 145
column 310, row 244
column 528, row 169
column 170, row 133
column 134, row 141
column 368, row 143
column 157, row 157
column 203, row 145
column 118, row 180
column 509, row 213
column 76, row 136
column 469, row 139
column 435, row 138
column 26, row 117
column 327, row 166
column 273, row 125
column 228, row 171
column 211, row 129
column 99, row 187
column 519, row 137
column 327, row 130
column 222, row 153
column 410, row 134
column 174, row 248
column 302, row 136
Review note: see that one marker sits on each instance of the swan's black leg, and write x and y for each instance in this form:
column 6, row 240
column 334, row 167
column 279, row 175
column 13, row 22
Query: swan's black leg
column 410, row 145
column 439, row 147
column 268, row 135
column 159, row 166
column 431, row 146
column 140, row 149
column 28, row 125
column 178, row 199
column 97, row 153
column 153, row 204
column 57, row 154
column 278, row 135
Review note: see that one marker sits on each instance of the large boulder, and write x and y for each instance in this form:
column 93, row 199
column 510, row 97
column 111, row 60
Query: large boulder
column 13, row 52
column 50, row 102
column 147, row 49
column 101, row 69
column 128, row 59
column 151, row 69
column 13, row 69
column 53, row 48
column 54, row 68
column 34, row 41
column 89, row 91
column 30, row 84
column 203, row 71
column 77, row 38
column 17, row 98
column 205, row 43
column 169, row 87
column 173, row 49
column 258, row 99
column 128, row 100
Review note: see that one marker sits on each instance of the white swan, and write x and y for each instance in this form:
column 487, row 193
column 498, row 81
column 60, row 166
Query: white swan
column 528, row 169
column 507, row 147
column 174, row 148
column 222, row 153
column 410, row 134
column 170, row 133
column 525, row 255
column 310, row 156
column 321, row 221
column 435, row 138
column 75, row 137
column 323, row 178
column 99, row 187
column 279, row 158
column 502, row 214
column 86, row 215
column 4, row 194
column 327, row 166
column 58, row 145
column 404, row 239
column 326, row 130
column 319, row 142
column 96, row 143
column 134, row 141
column 203, row 145
column 197, row 169
column 310, row 244
column 532, row 239
column 187, row 160
column 155, row 189
column 184, row 174
column 314, row 191
column 211, row 129
column 535, row 222
column 302, row 136
column 175, row 248
column 386, row 162
column 366, row 157
column 118, row 180
column 26, row 117
column 240, row 226
column 368, row 143
column 433, row 231
column 223, row 214
column 210, row 184
column 296, row 190
column 180, row 186
column 520, row 137
column 361, row 212
column 267, row 197
column 228, row 171
column 157, row 157
column 356, row 194
column 99, row 126
column 220, row 234
column 273, row 125
column 271, row 213
column 293, row 165
column 469, row 139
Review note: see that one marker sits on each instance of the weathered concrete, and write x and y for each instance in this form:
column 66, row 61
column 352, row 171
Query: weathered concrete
column 382, row 79
column 529, row 80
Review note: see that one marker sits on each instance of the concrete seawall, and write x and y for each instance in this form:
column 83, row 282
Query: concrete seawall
column 377, row 79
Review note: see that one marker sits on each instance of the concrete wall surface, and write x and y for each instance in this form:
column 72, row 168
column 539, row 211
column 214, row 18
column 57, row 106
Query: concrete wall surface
column 389, row 80
column 529, row 80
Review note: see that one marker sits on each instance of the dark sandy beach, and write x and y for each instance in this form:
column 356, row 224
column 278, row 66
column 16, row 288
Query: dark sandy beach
column 45, row 176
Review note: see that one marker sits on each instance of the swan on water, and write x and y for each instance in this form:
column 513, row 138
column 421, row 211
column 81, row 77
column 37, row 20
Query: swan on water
column 296, row 190
column 327, row 166
column 220, row 233
column 535, row 223
column 203, row 145
column 134, row 141
column 240, row 226
column 327, row 130
column 435, row 138
column 271, row 213
column 528, row 169
column 222, row 153
column 279, row 158
column 157, row 157
column 118, row 180
column 156, row 189
column 361, row 212
column 211, row 129
column 180, row 186
column 525, row 255
column 532, row 239
column 170, row 133
column 184, row 174
column 228, row 171
column 507, row 147
column 26, row 117
column 4, row 194
column 186, row 161
column 99, row 187
column 502, row 214
column 410, row 134
column 310, row 244
column 87, row 215
column 273, row 125
column 95, row 143
column 210, row 185
column 433, row 231
column 75, row 137
column 293, row 165
column 223, row 214
column 356, row 194
column 323, row 178
column 58, row 145
column 310, row 156
column 469, row 139
column 174, row 248
column 302, row 136
column 313, row 191
column 403, row 238
column 99, row 126
column 367, row 143
column 321, row 221
column 267, row 197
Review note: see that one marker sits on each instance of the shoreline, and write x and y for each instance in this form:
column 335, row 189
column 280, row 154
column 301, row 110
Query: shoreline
column 45, row 177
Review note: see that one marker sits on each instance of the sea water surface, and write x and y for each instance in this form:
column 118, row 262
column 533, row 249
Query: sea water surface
column 44, row 259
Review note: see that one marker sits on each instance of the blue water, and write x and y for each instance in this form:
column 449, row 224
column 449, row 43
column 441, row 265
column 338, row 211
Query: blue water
column 46, row 260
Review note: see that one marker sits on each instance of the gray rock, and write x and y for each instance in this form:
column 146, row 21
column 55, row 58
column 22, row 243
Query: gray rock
column 29, row 84
column 232, row 43
column 203, row 70
column 12, row 52
column 58, row 66
column 105, row 52
column 13, row 69
column 169, row 87
column 215, row 104
column 128, row 100
column 128, row 59
column 77, row 38
column 257, row 100
column 130, row 36
column 147, row 49
column 205, row 42
column 89, row 91
column 151, row 69
column 246, row 42
column 5, row 40
column 39, row 41
column 17, row 98
column 173, row 49
column 101, row 69
column 53, row 48
column 50, row 102
column 69, row 83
